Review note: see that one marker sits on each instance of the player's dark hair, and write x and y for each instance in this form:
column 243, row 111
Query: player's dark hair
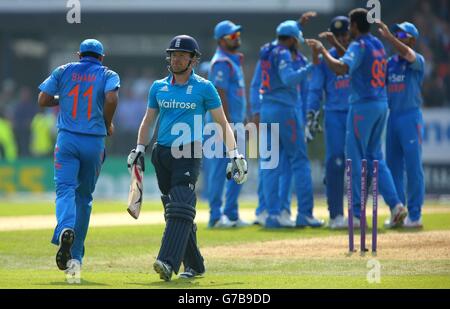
column 359, row 17
column 91, row 54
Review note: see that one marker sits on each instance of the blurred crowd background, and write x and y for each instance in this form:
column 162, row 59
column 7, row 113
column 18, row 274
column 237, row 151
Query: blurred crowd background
column 35, row 38
column 135, row 44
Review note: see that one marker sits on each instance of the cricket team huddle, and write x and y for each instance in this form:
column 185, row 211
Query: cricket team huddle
column 364, row 93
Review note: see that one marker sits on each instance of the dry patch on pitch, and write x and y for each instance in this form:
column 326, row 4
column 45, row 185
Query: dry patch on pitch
column 392, row 246
column 37, row 222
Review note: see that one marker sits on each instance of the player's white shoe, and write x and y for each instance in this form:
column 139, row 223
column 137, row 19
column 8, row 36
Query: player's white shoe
column 285, row 219
column 356, row 223
column 398, row 215
column 240, row 223
column 339, row 223
column 261, row 218
column 73, row 272
column 224, row 223
column 408, row 224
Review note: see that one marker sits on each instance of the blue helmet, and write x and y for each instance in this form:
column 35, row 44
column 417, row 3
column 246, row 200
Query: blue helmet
column 340, row 25
column 184, row 43
column 224, row 28
column 290, row 28
column 408, row 28
column 93, row 46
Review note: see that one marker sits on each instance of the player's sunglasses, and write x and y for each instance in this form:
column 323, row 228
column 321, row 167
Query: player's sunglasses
column 233, row 36
column 402, row 35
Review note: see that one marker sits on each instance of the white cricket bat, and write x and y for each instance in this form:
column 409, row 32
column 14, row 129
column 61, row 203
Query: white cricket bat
column 136, row 191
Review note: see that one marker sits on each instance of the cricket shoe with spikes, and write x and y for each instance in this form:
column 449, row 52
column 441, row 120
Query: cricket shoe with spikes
column 189, row 273
column 63, row 255
column 409, row 224
column 398, row 215
column 163, row 269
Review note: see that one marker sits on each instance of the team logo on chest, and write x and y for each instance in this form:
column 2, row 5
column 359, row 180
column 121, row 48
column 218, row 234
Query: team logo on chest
column 189, row 89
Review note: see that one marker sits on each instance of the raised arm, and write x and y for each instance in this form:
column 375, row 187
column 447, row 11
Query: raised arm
column 337, row 66
column 404, row 50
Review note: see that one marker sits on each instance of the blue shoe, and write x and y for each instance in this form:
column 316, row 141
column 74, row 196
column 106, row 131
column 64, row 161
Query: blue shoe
column 303, row 221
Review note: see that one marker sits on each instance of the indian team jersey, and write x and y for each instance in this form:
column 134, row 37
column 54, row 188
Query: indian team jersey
column 255, row 86
column 226, row 73
column 337, row 88
column 279, row 78
column 299, row 62
column 366, row 58
column 81, row 87
column 404, row 83
column 182, row 108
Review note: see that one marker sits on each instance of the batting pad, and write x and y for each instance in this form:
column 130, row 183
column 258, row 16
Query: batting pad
column 192, row 256
column 180, row 214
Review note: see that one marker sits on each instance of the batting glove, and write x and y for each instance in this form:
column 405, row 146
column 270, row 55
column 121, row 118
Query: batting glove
column 237, row 169
column 312, row 126
column 136, row 156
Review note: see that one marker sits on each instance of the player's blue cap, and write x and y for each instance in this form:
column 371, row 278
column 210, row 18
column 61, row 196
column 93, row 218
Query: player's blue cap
column 91, row 45
column 290, row 28
column 340, row 25
column 224, row 28
column 408, row 28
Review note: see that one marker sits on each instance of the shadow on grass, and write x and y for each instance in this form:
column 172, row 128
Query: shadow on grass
column 185, row 283
column 84, row 283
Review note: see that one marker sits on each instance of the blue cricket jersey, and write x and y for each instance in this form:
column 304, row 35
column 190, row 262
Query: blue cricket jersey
column 299, row 62
column 255, row 95
column 404, row 83
column 81, row 87
column 366, row 58
column 182, row 107
column 226, row 73
column 337, row 88
column 279, row 78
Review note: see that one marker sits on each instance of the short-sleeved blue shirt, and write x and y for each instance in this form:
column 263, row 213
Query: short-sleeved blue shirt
column 366, row 58
column 405, row 82
column 81, row 87
column 182, row 107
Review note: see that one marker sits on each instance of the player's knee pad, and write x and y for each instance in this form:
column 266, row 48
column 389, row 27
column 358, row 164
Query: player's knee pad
column 165, row 199
column 180, row 214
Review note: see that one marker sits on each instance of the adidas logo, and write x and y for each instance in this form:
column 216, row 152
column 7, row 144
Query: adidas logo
column 187, row 174
column 165, row 88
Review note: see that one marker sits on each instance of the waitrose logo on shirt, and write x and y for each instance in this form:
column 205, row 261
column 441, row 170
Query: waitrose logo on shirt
column 174, row 104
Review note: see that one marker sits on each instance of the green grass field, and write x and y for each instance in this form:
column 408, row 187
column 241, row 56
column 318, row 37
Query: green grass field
column 122, row 256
